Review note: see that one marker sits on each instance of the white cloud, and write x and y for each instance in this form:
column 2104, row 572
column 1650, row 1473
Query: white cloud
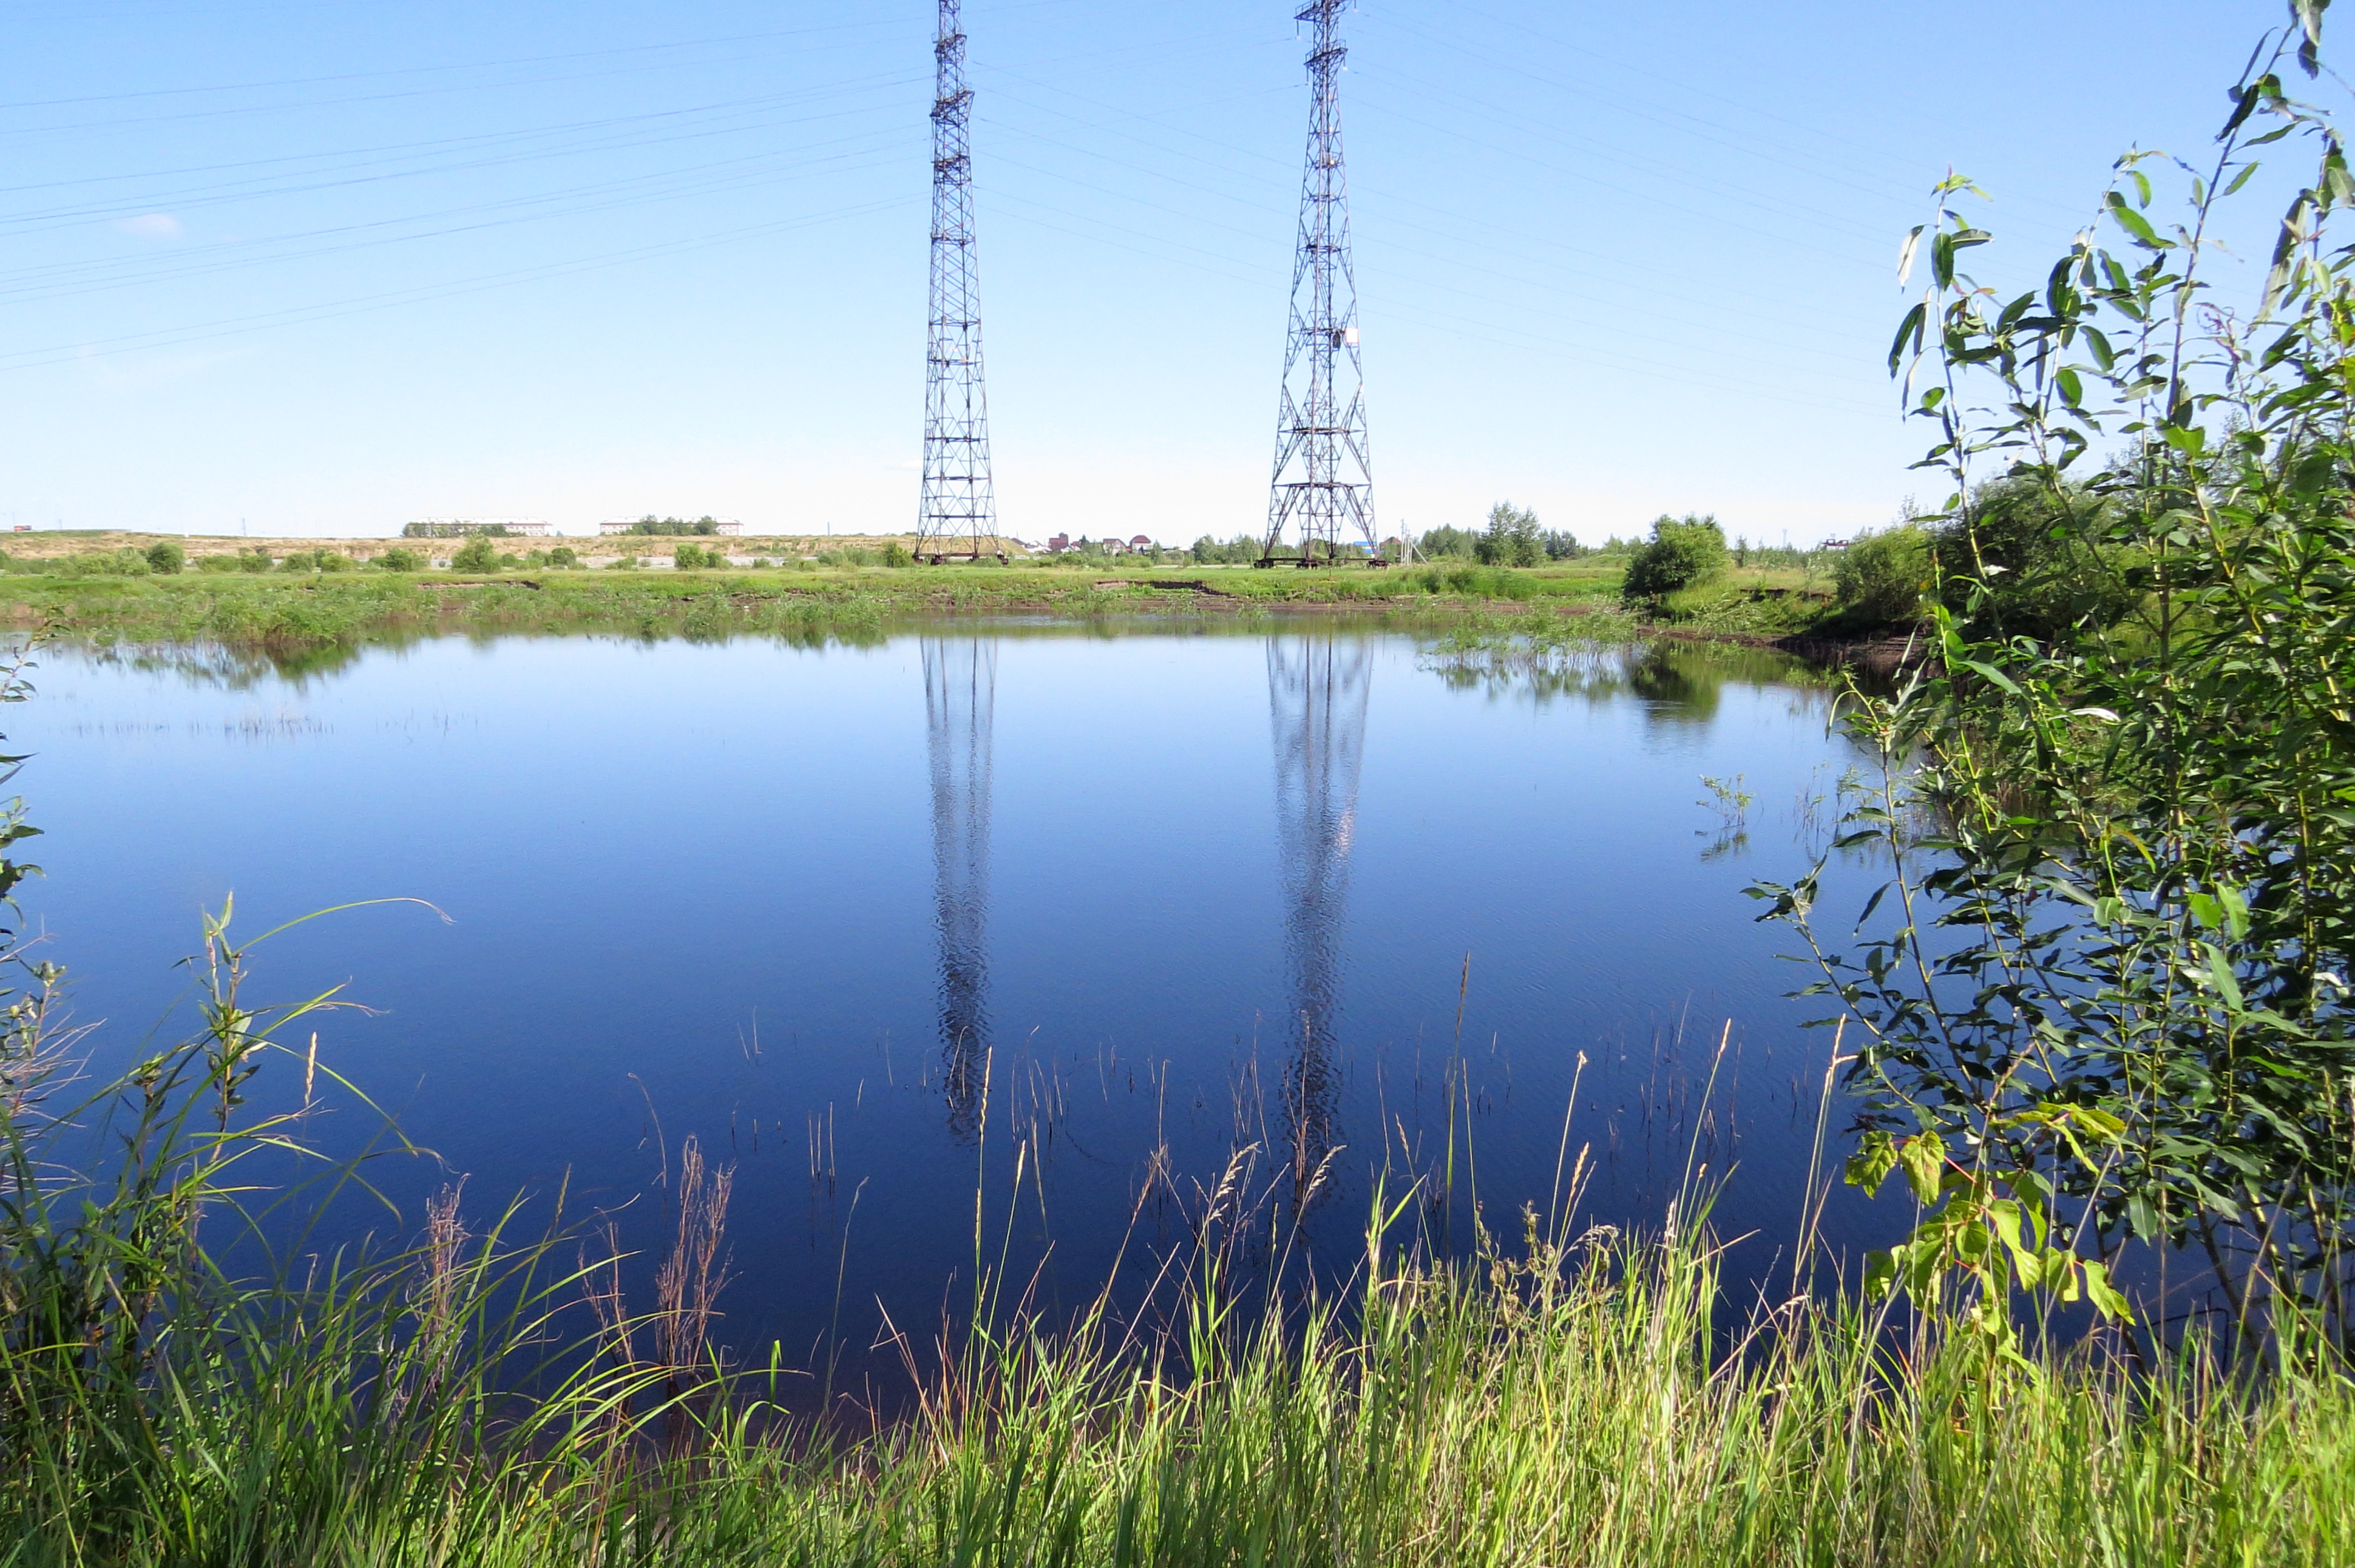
column 151, row 225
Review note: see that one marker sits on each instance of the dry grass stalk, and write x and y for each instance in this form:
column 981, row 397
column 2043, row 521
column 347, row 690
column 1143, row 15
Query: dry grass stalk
column 695, row 1271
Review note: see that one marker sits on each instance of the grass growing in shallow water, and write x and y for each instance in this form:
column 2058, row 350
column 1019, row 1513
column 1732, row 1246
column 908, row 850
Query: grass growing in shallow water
column 1574, row 1401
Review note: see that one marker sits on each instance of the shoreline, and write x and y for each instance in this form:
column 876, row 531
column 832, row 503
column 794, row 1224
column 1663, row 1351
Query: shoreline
column 319, row 609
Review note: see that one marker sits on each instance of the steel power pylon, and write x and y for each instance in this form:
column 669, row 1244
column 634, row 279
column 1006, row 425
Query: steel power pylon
column 1324, row 482
column 959, row 516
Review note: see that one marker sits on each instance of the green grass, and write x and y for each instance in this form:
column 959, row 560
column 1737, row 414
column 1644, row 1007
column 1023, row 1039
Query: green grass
column 830, row 602
column 851, row 603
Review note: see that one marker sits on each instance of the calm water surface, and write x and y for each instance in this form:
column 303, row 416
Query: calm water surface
column 817, row 908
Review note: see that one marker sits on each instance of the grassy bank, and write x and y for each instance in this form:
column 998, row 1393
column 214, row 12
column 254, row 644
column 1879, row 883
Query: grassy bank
column 350, row 607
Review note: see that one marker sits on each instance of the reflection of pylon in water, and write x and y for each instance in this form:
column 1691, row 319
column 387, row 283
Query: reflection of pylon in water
column 960, row 696
column 1316, row 706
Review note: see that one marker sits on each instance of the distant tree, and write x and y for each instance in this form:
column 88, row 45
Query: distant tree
column 895, row 554
column 1512, row 540
column 331, row 561
column 399, row 560
column 563, row 557
column 477, row 554
column 1561, row 545
column 1445, row 542
column 650, row 523
column 167, row 557
column 1680, row 553
column 299, row 561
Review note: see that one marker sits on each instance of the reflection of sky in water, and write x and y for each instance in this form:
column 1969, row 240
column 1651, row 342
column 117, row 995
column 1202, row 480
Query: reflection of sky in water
column 1173, row 889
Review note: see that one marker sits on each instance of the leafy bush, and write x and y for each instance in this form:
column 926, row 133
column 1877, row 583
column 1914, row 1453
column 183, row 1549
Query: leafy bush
column 2109, row 1005
column 333, row 561
column 2026, row 560
column 167, row 557
column 125, row 563
column 562, row 558
column 477, row 554
column 219, row 564
column 1679, row 554
column 896, row 555
column 1881, row 576
column 398, row 559
column 1513, row 538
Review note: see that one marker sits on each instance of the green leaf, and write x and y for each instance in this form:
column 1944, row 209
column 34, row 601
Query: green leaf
column 2228, row 985
column 1912, row 323
column 2105, row 1296
column 1925, row 1157
column 1875, row 1157
column 2135, row 224
column 2072, row 391
column 1988, row 671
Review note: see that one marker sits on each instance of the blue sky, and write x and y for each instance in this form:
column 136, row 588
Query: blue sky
column 323, row 268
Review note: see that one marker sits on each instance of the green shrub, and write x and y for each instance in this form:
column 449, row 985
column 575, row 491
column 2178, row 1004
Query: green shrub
column 124, row 563
column 1679, row 555
column 298, row 561
column 167, row 557
column 896, row 555
column 332, row 561
column 2027, row 551
column 562, row 558
column 219, row 563
column 477, row 554
column 256, row 559
column 398, row 560
column 689, row 557
column 1881, row 576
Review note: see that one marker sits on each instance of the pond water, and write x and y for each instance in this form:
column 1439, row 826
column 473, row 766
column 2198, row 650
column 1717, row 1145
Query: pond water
column 1137, row 896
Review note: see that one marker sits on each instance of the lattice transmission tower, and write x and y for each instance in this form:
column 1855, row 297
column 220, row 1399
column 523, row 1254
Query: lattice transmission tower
column 1324, row 483
column 959, row 516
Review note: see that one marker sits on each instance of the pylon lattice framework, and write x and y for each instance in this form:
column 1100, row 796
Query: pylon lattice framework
column 958, row 514
column 1324, row 480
